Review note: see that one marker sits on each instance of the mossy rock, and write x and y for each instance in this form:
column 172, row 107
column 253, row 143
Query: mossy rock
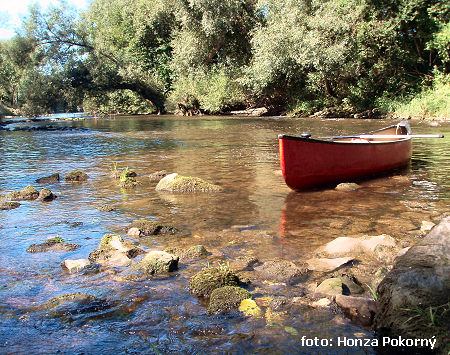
column 70, row 297
column 208, row 279
column 76, row 176
column 113, row 242
column 250, row 308
column 8, row 205
column 226, row 299
column 106, row 208
column 144, row 228
column 184, row 184
column 194, row 252
column 27, row 193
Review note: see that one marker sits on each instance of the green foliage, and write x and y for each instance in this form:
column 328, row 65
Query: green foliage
column 139, row 56
column 430, row 102
column 214, row 91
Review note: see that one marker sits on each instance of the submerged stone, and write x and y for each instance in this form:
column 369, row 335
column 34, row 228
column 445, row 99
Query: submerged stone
column 250, row 308
column 76, row 176
column 226, row 299
column 178, row 183
column 280, row 270
column 210, row 278
column 52, row 244
column 194, row 252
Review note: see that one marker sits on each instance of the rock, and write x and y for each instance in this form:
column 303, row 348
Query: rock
column 76, row 176
column 227, row 298
column 158, row 175
column 194, row 252
column 255, row 112
column 280, row 270
column 330, row 287
column 426, row 226
column 177, row 183
column 321, row 303
column 347, row 186
column 75, row 265
column 52, row 244
column 49, row 179
column 366, row 244
column 155, row 262
column 273, row 317
column 144, row 228
column 250, row 308
column 418, row 286
column 8, row 205
column 106, row 208
column 351, row 285
column 386, row 254
column 360, row 310
column 27, row 193
column 114, row 251
column 328, row 265
column 210, row 278
column 46, row 195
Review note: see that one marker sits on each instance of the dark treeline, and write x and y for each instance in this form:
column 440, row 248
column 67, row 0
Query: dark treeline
column 298, row 56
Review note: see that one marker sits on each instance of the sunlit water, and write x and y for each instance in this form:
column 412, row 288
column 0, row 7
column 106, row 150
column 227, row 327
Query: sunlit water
column 159, row 315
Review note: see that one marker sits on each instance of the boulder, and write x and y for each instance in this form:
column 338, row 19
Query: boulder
column 52, row 244
column 49, row 179
column 155, row 262
column 366, row 244
column 46, row 195
column 8, row 205
column 75, row 265
column 328, row 265
column 113, row 250
column 112, row 258
column 360, row 310
column 144, row 228
column 76, row 176
column 414, row 295
column 426, row 226
column 280, row 270
column 210, row 278
column 347, row 186
column 330, row 287
column 178, row 183
column 157, row 175
column 226, row 299
column 254, row 112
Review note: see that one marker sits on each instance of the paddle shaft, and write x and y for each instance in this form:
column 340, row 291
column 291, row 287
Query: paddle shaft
column 390, row 136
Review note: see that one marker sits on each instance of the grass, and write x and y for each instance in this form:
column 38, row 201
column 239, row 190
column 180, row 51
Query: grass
column 430, row 316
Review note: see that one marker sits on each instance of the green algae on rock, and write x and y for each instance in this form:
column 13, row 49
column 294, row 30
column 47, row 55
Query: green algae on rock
column 226, row 299
column 76, row 176
column 194, row 252
column 127, row 178
column 210, row 278
column 178, row 183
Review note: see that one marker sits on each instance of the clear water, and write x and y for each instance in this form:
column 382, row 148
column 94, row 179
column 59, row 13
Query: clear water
column 159, row 315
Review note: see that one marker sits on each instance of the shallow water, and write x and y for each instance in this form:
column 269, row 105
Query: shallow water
column 159, row 315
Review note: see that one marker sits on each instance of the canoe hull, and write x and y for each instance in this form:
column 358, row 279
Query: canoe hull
column 308, row 163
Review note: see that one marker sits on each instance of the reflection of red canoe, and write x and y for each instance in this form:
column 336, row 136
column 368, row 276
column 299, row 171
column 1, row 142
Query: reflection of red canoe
column 307, row 163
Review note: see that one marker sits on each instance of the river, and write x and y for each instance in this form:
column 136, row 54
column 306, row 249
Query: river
column 256, row 215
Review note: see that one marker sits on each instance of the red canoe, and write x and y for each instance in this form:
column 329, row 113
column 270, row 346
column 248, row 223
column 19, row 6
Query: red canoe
column 308, row 163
